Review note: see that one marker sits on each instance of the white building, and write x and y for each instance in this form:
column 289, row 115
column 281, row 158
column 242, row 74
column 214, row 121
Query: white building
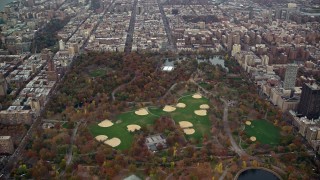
column 290, row 76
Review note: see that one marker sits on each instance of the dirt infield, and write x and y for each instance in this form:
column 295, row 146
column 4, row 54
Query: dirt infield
column 204, row 106
column 114, row 142
column 189, row 131
column 168, row 108
column 197, row 96
column 133, row 127
column 201, row 112
column 141, row 112
column 101, row 138
column 105, row 123
column 185, row 124
column 181, row 105
column 253, row 138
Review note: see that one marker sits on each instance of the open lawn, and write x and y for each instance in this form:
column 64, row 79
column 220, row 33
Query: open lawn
column 205, row 85
column 98, row 72
column 201, row 124
column 264, row 131
column 120, row 130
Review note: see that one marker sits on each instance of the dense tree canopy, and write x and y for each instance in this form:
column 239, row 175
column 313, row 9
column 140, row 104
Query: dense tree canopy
column 47, row 36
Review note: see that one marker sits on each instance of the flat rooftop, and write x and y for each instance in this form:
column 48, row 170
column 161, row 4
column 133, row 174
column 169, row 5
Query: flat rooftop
column 167, row 68
column 5, row 137
column 313, row 86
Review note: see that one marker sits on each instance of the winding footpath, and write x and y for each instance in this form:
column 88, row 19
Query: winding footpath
column 170, row 89
column 226, row 126
column 69, row 154
column 235, row 146
column 120, row 87
column 227, row 129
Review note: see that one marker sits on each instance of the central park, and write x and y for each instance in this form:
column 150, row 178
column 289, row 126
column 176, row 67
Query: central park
column 120, row 114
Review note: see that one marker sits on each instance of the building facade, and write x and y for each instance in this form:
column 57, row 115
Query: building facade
column 3, row 85
column 290, row 76
column 309, row 105
column 6, row 145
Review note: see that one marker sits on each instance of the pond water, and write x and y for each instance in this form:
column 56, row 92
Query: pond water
column 254, row 174
column 169, row 63
column 215, row 60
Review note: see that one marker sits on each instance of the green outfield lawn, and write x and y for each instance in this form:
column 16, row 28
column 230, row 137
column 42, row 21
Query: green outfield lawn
column 201, row 124
column 264, row 131
column 98, row 72
column 120, row 130
column 204, row 85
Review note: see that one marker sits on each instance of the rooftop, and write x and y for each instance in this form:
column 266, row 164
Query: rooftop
column 5, row 137
column 313, row 86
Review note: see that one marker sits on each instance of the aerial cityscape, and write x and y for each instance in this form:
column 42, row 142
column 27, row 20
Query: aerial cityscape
column 160, row 89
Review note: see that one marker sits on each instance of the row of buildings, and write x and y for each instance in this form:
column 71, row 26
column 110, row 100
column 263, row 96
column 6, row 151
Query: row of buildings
column 22, row 22
column 32, row 78
column 149, row 32
column 301, row 103
column 112, row 32
column 189, row 26
column 281, row 55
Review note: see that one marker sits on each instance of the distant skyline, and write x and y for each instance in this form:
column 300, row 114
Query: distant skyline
column 3, row 3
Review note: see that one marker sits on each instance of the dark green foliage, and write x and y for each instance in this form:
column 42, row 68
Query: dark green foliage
column 47, row 37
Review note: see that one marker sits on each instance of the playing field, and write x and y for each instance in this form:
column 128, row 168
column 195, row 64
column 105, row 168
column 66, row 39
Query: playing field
column 201, row 124
column 264, row 131
column 120, row 131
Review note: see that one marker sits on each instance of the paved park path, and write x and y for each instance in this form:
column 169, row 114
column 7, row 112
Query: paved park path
column 120, row 87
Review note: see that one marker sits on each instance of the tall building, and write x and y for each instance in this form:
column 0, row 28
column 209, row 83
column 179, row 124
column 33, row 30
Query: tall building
column 277, row 14
column 51, row 72
column 236, row 38
column 51, row 69
column 6, row 145
column 229, row 40
column 61, row 45
column 46, row 54
column 236, row 48
column 290, row 76
column 251, row 13
column 309, row 105
column 140, row 10
column 35, row 105
column 3, row 85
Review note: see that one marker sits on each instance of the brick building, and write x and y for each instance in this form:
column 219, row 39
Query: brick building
column 6, row 145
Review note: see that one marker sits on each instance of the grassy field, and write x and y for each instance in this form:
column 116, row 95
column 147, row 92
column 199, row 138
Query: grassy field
column 204, row 85
column 98, row 72
column 120, row 130
column 201, row 124
column 264, row 131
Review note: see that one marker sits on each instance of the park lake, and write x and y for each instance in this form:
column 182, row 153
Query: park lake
column 254, row 174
